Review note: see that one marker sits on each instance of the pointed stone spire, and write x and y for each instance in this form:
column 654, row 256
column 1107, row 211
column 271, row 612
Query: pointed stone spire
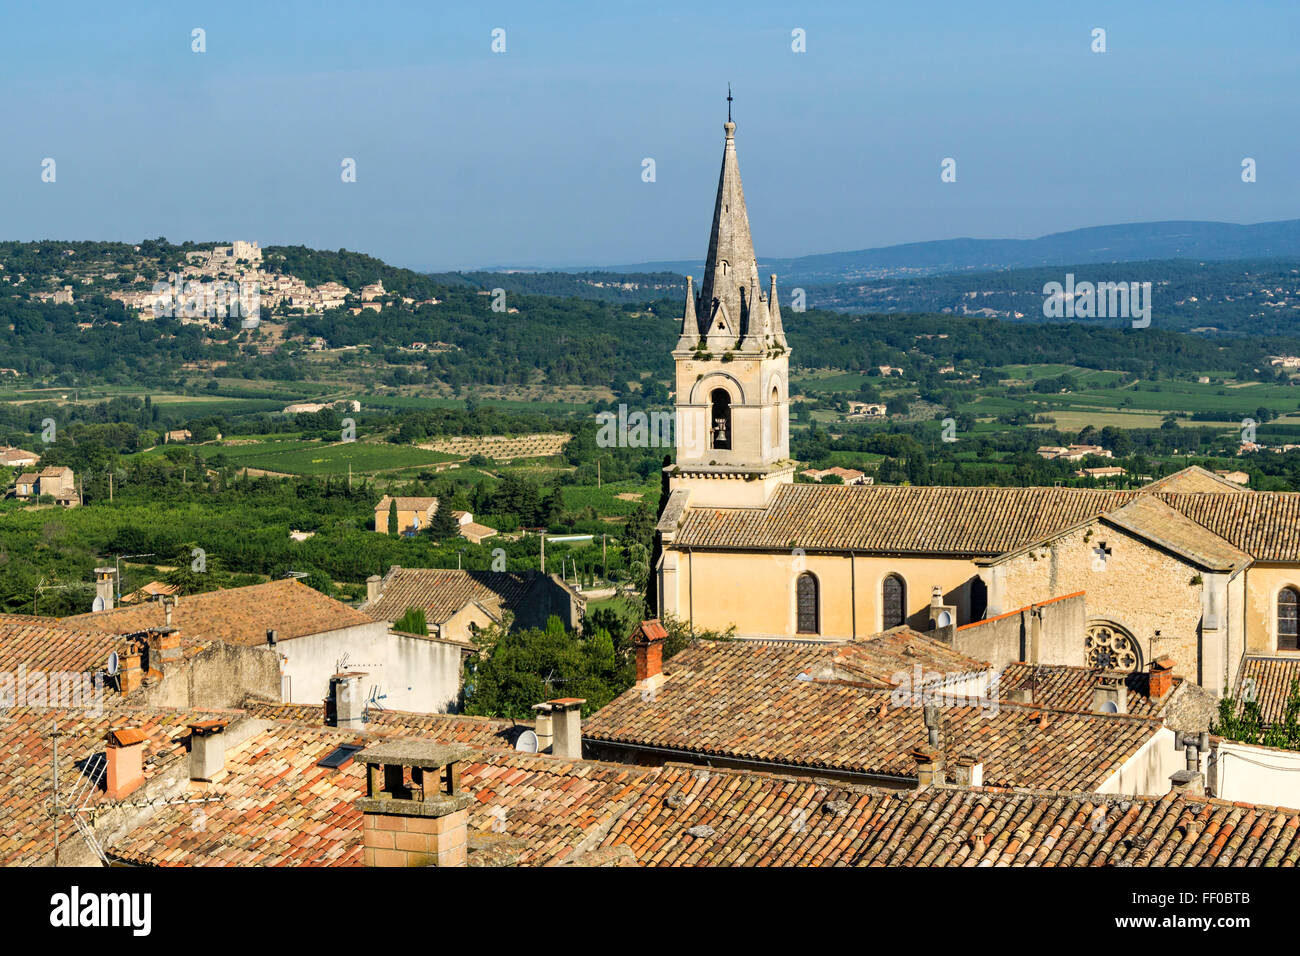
column 730, row 265
column 690, row 324
column 777, row 330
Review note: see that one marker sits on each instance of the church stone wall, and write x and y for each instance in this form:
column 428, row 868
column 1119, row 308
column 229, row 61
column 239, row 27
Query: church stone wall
column 1149, row 593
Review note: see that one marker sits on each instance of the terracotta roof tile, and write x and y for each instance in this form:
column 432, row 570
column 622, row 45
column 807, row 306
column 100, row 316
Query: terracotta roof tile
column 236, row 615
column 1270, row 682
column 744, row 700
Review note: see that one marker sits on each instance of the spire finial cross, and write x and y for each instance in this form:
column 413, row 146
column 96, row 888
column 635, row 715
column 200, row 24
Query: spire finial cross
column 728, row 102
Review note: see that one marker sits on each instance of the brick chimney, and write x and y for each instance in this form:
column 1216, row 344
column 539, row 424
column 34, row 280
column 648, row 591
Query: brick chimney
column 132, row 669
column 346, row 704
column 648, row 640
column 566, row 714
column 373, row 589
column 124, row 759
column 1161, row 679
column 929, row 765
column 164, row 650
column 1110, row 694
column 207, row 749
column 423, row 823
column 104, row 581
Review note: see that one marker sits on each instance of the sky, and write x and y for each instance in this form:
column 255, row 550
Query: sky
column 535, row 156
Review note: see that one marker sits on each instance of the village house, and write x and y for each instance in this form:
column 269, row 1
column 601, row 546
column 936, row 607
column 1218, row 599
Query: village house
column 310, row 635
column 57, row 481
column 18, row 458
column 459, row 603
column 847, row 476
column 414, row 513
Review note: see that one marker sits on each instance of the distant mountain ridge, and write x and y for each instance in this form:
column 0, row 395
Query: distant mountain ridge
column 1129, row 242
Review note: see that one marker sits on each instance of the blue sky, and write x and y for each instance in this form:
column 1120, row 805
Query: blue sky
column 467, row 158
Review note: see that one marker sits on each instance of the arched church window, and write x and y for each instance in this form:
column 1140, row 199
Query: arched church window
column 720, row 419
column 806, row 604
column 1288, row 604
column 893, row 601
column 1109, row 647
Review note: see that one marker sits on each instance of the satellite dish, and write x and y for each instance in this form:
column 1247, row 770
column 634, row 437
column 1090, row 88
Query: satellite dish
column 527, row 742
column 1110, row 707
column 98, row 604
column 113, row 666
column 944, row 619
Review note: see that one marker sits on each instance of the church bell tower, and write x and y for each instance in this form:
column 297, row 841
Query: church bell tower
column 732, row 366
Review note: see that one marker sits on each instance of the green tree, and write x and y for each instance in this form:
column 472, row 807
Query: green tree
column 413, row 621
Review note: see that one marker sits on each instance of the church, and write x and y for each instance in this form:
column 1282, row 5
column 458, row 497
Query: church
column 1191, row 570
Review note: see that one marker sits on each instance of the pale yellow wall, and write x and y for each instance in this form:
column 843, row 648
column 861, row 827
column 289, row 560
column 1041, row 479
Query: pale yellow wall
column 1142, row 589
column 756, row 592
column 405, row 518
column 1263, row 582
column 457, row 627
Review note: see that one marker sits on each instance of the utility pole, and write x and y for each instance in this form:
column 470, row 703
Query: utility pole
column 543, row 552
column 604, row 561
column 110, row 485
column 349, row 476
column 598, row 473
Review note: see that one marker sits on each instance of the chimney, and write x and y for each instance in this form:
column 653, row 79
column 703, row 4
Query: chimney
column 929, row 766
column 943, row 617
column 168, row 603
column 424, row 823
column 1021, row 695
column 164, row 650
column 345, row 706
column 271, row 636
column 1110, row 694
column 1190, row 783
column 132, row 673
column 544, row 728
column 207, row 749
column 104, row 580
column 933, row 725
column 648, row 639
column 1161, row 679
column 566, row 712
column 968, row 772
column 373, row 589
column 124, row 759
